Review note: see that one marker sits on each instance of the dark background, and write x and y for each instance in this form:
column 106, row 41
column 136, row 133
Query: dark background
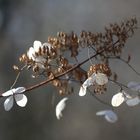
column 22, row 22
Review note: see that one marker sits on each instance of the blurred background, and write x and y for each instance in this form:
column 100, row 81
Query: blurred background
column 22, row 22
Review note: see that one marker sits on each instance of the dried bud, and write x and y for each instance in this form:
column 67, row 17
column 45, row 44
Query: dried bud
column 129, row 58
column 16, row 68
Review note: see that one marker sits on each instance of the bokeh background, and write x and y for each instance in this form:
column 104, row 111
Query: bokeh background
column 22, row 22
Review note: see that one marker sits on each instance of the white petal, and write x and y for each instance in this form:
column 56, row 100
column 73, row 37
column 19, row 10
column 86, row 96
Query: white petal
column 111, row 116
column 101, row 113
column 37, row 45
column 133, row 101
column 20, row 90
column 47, row 45
column 8, row 93
column 8, row 104
column 117, row 99
column 31, row 53
column 60, row 107
column 90, row 81
column 134, row 86
column 101, row 79
column 21, row 100
column 82, row 91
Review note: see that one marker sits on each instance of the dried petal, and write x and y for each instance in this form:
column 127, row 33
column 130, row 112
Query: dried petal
column 8, row 104
column 60, row 107
column 86, row 84
column 133, row 101
column 134, row 86
column 37, row 45
column 90, row 80
column 20, row 90
column 21, row 100
column 109, row 115
column 82, row 91
column 117, row 99
column 8, row 93
column 101, row 79
column 31, row 53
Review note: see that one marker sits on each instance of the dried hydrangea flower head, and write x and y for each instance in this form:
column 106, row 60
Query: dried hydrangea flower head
column 102, row 73
column 57, row 60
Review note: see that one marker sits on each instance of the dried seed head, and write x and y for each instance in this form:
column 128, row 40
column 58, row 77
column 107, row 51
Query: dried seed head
column 101, row 68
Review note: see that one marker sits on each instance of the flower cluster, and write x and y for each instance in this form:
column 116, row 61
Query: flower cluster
column 58, row 62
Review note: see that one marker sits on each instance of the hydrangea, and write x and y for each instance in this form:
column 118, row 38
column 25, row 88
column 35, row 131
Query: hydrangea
column 15, row 94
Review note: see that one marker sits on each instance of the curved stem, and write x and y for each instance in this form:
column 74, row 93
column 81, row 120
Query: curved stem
column 121, row 59
column 101, row 101
column 17, row 77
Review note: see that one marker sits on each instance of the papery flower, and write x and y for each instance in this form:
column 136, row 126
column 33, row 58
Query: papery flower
column 99, row 79
column 37, row 53
column 109, row 115
column 15, row 94
column 122, row 96
column 60, row 107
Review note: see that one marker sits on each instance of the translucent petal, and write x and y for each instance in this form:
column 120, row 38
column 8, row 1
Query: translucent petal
column 20, row 90
column 101, row 79
column 111, row 116
column 133, row 101
column 60, row 107
column 134, row 86
column 37, row 44
column 8, row 93
column 101, row 113
column 82, row 91
column 117, row 99
column 21, row 100
column 89, row 81
column 8, row 104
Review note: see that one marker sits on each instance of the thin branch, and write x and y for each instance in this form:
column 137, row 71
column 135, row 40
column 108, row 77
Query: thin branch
column 101, row 101
column 121, row 59
column 130, row 66
column 119, row 84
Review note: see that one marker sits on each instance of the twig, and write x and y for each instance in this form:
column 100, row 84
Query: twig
column 101, row 101
column 121, row 59
column 17, row 77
